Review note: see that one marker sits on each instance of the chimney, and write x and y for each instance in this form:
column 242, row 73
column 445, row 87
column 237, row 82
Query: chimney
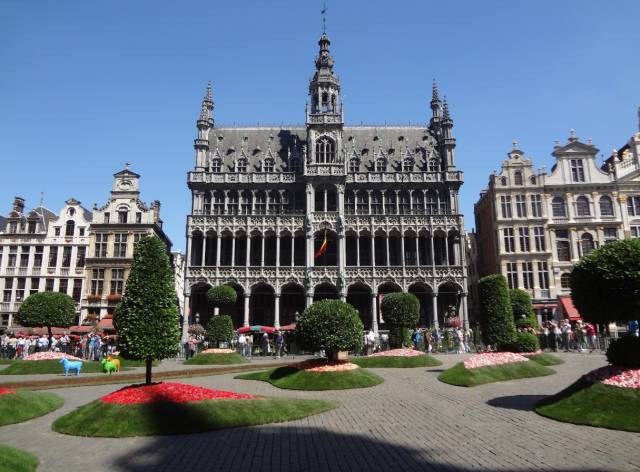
column 18, row 204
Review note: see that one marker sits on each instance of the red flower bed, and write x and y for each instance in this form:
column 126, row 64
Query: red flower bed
column 5, row 391
column 398, row 353
column 169, row 392
column 616, row 376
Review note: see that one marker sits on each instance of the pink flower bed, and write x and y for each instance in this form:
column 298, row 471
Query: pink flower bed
column 493, row 358
column 49, row 356
column 398, row 353
column 616, row 376
column 6, row 391
column 169, row 392
column 539, row 351
column 218, row 351
column 323, row 365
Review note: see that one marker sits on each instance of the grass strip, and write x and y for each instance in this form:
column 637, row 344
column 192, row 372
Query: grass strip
column 396, row 361
column 81, row 381
column 17, row 460
column 296, row 379
column 217, row 359
column 594, row 404
column 546, row 359
column 99, row 419
column 21, row 406
column 460, row 376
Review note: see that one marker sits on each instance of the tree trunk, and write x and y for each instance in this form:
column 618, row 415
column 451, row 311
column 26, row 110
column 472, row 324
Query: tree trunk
column 149, row 361
column 50, row 336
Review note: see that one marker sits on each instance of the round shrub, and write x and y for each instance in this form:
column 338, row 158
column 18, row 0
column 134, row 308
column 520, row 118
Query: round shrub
column 47, row 309
column 496, row 315
column 605, row 284
column 625, row 352
column 523, row 342
column 330, row 325
column 222, row 295
column 220, row 329
column 401, row 311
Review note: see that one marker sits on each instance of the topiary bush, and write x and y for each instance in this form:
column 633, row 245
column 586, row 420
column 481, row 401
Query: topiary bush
column 47, row 309
column 496, row 315
column 625, row 352
column 222, row 295
column 522, row 308
column 523, row 342
column 400, row 311
column 330, row 325
column 220, row 330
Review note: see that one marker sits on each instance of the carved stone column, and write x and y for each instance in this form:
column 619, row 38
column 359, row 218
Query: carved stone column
column 276, row 311
column 434, row 316
column 247, row 296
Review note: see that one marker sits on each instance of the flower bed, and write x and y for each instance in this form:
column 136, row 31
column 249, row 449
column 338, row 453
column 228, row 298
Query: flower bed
column 6, row 391
column 218, row 351
column 50, row 356
column 398, row 353
column 616, row 376
column 493, row 358
column 527, row 354
column 323, row 365
column 169, row 392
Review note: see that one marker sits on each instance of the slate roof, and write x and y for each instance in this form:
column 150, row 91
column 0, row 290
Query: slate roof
column 366, row 142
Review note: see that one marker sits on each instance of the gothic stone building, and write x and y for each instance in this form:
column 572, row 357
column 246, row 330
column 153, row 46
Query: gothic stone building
column 265, row 198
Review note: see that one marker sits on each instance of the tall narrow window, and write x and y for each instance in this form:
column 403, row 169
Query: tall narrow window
column 69, row 228
column 117, row 281
column 325, row 150
column 53, row 256
column 525, row 244
column 536, row 205
column 582, row 206
column 558, row 208
column 538, row 232
column 527, row 275
column 606, row 206
column 64, row 286
column 241, row 165
column 120, row 245
column 586, row 243
column 381, row 165
column 122, row 216
column 543, row 275
column 37, row 258
column 577, row 170
column 82, row 251
column 354, row 165
column 563, row 246
column 101, row 245
column 521, row 206
column 66, row 256
column 512, row 274
column 433, row 165
column 268, row 165
column 218, row 202
column 633, row 206
column 565, row 280
column 517, row 178
column 216, row 165
column 76, row 294
column 247, row 202
column 97, row 281
column 24, row 256
column 509, row 240
column 350, row 203
column 505, row 206
column 363, row 203
column 35, row 284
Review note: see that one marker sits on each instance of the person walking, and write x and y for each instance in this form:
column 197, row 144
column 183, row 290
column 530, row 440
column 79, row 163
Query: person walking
column 565, row 332
column 241, row 344
column 279, row 339
column 591, row 336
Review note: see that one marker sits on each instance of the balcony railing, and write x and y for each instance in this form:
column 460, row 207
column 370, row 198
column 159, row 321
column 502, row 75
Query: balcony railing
column 241, row 178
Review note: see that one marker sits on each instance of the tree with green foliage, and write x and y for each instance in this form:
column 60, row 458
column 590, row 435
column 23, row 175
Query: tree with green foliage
column 400, row 311
column 605, row 284
column 496, row 315
column 220, row 330
column 330, row 325
column 50, row 309
column 222, row 295
column 522, row 308
column 147, row 320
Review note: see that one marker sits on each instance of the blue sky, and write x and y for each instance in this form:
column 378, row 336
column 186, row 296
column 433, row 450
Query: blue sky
column 88, row 86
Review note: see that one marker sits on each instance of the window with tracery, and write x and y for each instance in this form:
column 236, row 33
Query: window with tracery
column 216, row 165
column 407, row 165
column 268, row 165
column 381, row 165
column 354, row 165
column 241, row 165
column 325, row 150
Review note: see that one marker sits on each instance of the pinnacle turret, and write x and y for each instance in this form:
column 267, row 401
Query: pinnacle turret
column 207, row 106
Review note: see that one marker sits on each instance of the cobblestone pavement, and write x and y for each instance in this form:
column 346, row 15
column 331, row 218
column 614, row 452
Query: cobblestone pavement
column 412, row 422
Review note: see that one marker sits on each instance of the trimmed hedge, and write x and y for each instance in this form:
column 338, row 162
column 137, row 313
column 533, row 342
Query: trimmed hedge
column 625, row 352
column 496, row 315
column 220, row 329
column 222, row 295
column 522, row 308
column 330, row 325
column 523, row 342
column 400, row 311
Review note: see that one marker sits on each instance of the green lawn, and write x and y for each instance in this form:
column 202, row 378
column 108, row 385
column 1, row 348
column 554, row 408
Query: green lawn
column 594, row 404
column 396, row 361
column 22, row 406
column 15, row 460
column 458, row 375
column 296, row 379
column 54, row 367
column 546, row 359
column 101, row 419
column 220, row 359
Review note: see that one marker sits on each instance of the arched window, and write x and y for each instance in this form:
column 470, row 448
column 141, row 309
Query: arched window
column 325, row 102
column 381, row 165
column 325, row 150
column 517, row 178
column 565, row 280
column 582, row 206
column 354, row 165
column 606, row 206
column 433, row 165
column 241, row 165
column 70, row 228
column 503, row 181
column 586, row 243
column 407, row 165
column 216, row 165
column 268, row 165
column 557, row 207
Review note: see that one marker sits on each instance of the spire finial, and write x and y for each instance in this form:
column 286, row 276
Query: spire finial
column 434, row 92
column 207, row 104
column 324, row 18
column 445, row 109
column 126, row 165
column 514, row 145
column 572, row 135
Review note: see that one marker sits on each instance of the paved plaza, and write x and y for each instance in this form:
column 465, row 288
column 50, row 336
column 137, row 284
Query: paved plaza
column 412, row 422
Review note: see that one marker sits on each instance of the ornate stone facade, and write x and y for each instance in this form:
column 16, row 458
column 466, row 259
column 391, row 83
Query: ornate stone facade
column 265, row 199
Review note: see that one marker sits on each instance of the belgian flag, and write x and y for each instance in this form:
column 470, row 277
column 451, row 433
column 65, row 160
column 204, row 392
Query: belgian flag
column 323, row 247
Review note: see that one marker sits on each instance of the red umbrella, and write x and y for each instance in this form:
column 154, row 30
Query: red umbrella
column 289, row 327
column 257, row 329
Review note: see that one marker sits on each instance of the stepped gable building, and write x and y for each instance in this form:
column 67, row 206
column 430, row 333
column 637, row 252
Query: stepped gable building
column 41, row 251
column 533, row 226
column 385, row 199
column 115, row 228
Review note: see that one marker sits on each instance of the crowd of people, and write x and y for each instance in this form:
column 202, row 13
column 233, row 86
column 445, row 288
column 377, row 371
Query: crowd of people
column 246, row 344
column 566, row 335
column 89, row 347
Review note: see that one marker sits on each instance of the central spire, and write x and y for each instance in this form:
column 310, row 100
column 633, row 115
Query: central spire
column 324, row 59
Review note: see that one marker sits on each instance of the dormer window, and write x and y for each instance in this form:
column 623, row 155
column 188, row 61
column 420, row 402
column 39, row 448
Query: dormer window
column 577, row 170
column 381, row 165
column 216, row 165
column 354, row 165
column 433, row 165
column 407, row 165
column 294, row 165
column 325, row 151
column 241, row 165
column 32, row 227
column 517, row 178
column 107, row 217
column 268, row 165
column 56, row 230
